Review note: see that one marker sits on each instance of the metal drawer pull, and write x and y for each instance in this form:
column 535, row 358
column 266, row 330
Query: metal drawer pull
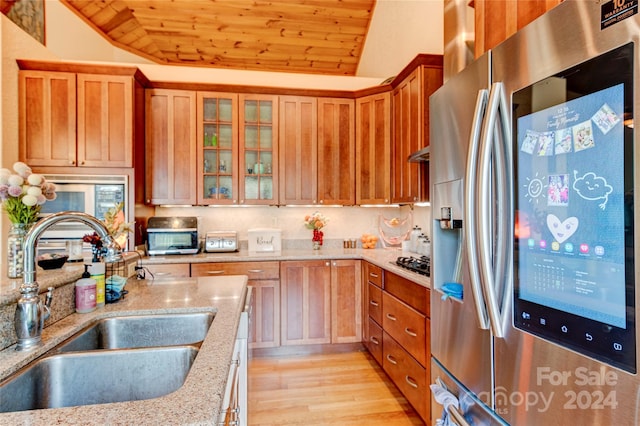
column 375, row 340
column 391, row 317
column 392, row 360
column 411, row 382
column 215, row 272
column 373, row 302
column 409, row 332
column 373, row 275
column 255, row 271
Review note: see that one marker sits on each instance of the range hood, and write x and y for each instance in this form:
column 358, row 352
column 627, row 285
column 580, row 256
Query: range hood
column 419, row 156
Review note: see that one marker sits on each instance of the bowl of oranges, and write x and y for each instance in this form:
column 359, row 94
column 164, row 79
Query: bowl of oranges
column 369, row 241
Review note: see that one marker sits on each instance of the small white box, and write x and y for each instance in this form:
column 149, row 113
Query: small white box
column 265, row 240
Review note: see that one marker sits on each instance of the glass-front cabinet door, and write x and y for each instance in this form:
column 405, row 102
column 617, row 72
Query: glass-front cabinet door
column 218, row 148
column 258, row 149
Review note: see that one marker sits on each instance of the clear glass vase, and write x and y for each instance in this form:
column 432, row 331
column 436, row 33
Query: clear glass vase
column 15, row 249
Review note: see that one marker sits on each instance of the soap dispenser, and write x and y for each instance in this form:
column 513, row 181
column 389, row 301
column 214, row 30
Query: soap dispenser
column 85, row 292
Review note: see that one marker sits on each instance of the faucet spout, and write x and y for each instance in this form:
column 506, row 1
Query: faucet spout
column 30, row 311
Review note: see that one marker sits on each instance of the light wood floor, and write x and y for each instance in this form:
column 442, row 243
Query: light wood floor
column 346, row 388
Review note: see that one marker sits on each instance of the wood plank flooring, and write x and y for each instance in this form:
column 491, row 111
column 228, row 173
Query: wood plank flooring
column 347, row 388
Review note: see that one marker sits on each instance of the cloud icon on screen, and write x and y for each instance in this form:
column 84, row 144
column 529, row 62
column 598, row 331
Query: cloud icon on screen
column 592, row 187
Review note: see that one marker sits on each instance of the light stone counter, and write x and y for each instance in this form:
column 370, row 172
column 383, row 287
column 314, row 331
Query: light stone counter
column 383, row 257
column 198, row 401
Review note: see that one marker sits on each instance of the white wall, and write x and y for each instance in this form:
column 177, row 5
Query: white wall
column 399, row 30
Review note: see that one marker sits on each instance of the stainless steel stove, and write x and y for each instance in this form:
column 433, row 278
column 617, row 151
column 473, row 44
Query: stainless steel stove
column 421, row 265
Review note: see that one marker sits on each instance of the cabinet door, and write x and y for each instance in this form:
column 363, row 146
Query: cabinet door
column 407, row 138
column 298, row 140
column 258, row 159
column 336, row 151
column 170, row 146
column 305, row 302
column 217, row 118
column 105, row 120
column 346, row 301
column 47, row 109
column 373, row 149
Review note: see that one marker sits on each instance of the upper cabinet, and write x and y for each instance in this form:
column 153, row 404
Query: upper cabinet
column 217, row 153
column 410, row 117
column 495, row 21
column 258, row 159
column 336, row 151
column 170, row 147
column 298, row 139
column 373, row 149
column 77, row 119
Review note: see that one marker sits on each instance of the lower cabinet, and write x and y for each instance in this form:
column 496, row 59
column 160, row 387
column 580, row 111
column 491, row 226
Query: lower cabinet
column 397, row 331
column 167, row 271
column 264, row 277
column 321, row 301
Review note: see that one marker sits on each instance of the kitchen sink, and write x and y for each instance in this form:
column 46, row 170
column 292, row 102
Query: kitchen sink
column 97, row 377
column 140, row 331
column 124, row 358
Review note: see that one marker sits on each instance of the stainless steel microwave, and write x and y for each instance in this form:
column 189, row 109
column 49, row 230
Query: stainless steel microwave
column 91, row 194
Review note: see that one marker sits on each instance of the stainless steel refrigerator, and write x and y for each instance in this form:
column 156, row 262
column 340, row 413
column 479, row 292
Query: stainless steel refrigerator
column 533, row 171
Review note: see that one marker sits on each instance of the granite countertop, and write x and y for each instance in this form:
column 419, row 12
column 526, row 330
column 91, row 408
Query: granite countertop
column 198, row 400
column 384, row 257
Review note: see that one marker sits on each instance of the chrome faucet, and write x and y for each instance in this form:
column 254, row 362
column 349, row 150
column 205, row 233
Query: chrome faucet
column 30, row 311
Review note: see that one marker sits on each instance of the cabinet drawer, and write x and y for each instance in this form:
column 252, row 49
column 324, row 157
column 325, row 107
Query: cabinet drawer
column 374, row 304
column 375, row 340
column 409, row 292
column 254, row 270
column 406, row 325
column 409, row 376
column 373, row 274
column 168, row 271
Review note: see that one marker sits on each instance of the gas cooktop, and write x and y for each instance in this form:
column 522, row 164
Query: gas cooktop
column 420, row 265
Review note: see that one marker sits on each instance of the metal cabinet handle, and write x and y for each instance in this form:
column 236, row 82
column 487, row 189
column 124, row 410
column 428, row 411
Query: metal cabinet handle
column 215, row 272
column 255, row 271
column 373, row 303
column 371, row 274
column 391, row 317
column 375, row 340
column 411, row 382
column 392, row 360
column 410, row 333
column 162, row 273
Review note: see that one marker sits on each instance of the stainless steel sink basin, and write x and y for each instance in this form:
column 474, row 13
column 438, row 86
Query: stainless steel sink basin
column 97, row 377
column 141, row 331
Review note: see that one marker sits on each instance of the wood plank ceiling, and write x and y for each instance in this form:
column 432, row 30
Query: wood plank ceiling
column 301, row 36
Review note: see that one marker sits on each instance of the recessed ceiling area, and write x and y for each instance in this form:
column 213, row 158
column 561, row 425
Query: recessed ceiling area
column 302, row 36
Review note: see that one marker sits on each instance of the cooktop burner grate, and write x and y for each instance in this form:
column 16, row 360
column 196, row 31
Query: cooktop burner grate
column 421, row 265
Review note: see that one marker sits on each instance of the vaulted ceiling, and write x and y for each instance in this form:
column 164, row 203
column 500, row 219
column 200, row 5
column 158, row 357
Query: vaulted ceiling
column 302, row 36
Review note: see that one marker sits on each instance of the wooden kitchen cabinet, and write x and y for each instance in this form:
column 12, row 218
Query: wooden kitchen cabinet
column 258, row 159
column 167, row 271
column 410, row 112
column 336, row 151
column 105, row 120
column 264, row 277
column 495, row 21
column 217, row 153
column 298, row 153
column 47, row 109
column 305, row 288
column 170, row 146
column 346, row 301
column 373, row 149
column 75, row 119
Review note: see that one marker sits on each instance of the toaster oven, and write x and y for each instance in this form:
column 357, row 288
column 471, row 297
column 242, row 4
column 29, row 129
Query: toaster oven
column 172, row 235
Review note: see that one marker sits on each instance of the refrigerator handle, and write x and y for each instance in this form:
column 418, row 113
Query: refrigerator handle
column 493, row 279
column 470, row 191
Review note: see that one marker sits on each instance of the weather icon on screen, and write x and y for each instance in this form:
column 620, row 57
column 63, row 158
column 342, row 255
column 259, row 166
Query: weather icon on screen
column 535, row 188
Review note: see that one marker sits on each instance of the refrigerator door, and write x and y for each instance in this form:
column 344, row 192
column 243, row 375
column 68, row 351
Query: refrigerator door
column 460, row 338
column 540, row 380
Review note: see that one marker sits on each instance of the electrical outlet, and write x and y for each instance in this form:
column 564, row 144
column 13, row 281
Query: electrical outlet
column 131, row 269
column 274, row 221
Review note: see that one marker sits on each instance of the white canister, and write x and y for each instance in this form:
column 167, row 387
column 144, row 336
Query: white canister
column 413, row 238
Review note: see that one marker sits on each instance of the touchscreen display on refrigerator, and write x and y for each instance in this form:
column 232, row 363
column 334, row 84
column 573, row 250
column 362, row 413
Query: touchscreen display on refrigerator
column 574, row 279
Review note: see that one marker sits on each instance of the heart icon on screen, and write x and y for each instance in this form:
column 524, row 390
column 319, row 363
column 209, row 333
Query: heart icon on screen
column 562, row 230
